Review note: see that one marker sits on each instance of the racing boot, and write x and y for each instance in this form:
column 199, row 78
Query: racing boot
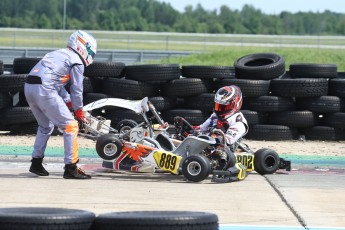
column 74, row 172
column 37, row 167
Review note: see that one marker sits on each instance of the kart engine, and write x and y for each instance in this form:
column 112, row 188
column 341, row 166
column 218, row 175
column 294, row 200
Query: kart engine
column 217, row 156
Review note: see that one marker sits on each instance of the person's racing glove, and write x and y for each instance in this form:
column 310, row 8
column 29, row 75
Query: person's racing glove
column 79, row 115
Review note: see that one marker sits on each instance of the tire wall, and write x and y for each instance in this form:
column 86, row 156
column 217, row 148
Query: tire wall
column 300, row 101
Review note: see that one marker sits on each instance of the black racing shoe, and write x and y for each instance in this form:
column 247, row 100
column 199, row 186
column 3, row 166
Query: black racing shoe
column 74, row 172
column 37, row 167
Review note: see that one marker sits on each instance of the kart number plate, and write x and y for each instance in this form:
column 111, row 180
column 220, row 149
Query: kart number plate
column 167, row 161
column 247, row 160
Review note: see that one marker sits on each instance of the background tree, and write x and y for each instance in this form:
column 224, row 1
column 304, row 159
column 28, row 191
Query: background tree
column 151, row 15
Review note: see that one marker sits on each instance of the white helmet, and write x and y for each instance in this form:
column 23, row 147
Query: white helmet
column 84, row 44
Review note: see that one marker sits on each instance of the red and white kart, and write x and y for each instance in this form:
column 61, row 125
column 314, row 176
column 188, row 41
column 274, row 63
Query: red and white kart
column 148, row 147
column 144, row 147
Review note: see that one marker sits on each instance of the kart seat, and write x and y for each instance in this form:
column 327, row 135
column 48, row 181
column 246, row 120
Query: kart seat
column 165, row 142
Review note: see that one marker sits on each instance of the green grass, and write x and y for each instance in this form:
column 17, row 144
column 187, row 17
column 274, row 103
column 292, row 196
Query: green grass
column 216, row 49
column 227, row 56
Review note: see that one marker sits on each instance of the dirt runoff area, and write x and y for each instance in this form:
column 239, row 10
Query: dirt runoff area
column 295, row 147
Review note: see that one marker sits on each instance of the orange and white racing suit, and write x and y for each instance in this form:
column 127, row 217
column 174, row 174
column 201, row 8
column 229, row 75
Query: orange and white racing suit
column 47, row 97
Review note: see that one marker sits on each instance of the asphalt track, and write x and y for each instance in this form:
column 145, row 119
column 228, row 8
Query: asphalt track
column 311, row 196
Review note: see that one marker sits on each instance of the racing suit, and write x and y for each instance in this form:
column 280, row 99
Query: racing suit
column 47, row 98
column 234, row 126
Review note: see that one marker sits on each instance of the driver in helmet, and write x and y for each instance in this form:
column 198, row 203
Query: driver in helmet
column 227, row 116
column 51, row 103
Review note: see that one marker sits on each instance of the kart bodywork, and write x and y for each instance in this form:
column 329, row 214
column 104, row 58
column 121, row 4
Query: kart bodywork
column 149, row 147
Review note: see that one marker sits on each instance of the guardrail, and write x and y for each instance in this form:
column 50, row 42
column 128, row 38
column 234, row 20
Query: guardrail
column 134, row 40
column 127, row 57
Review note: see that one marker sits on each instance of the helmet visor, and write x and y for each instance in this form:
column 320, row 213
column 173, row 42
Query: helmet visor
column 221, row 108
column 89, row 50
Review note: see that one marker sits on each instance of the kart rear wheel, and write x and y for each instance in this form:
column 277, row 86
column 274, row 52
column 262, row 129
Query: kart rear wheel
column 196, row 168
column 108, row 146
column 266, row 161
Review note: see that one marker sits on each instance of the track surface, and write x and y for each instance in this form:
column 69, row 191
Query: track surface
column 311, row 196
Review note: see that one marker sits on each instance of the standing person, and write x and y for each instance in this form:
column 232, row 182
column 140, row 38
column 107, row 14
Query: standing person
column 51, row 103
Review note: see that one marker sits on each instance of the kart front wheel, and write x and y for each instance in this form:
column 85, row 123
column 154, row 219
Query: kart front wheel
column 266, row 161
column 196, row 168
column 108, row 146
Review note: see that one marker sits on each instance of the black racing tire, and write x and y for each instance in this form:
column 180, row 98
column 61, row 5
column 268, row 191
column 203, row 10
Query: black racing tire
column 22, row 129
column 336, row 120
column 124, row 127
column 24, row 65
column 12, row 83
column 297, row 119
column 336, row 87
column 92, row 85
column 311, row 70
column 156, row 220
column 323, row 104
column 260, row 66
column 5, row 100
column 203, row 101
column 268, row 103
column 266, row 161
column 162, row 103
column 271, row 132
column 254, row 117
column 196, row 168
column 207, row 72
column 127, row 89
column 153, row 72
column 105, row 69
column 92, row 97
column 249, row 87
column 33, row 218
column 299, row 87
column 323, row 133
column 17, row 115
column 185, row 87
column 108, row 146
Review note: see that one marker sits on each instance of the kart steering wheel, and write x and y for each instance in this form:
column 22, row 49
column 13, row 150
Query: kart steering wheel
column 182, row 126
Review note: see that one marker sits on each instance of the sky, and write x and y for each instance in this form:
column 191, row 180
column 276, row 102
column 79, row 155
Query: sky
column 266, row 6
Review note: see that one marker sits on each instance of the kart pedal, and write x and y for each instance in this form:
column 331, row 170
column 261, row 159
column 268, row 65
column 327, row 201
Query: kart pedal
column 220, row 176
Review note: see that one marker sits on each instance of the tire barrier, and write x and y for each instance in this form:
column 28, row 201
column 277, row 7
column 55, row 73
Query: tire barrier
column 147, row 220
column 33, row 218
column 24, row 218
column 279, row 104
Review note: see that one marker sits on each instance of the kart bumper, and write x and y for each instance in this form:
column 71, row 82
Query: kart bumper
column 285, row 164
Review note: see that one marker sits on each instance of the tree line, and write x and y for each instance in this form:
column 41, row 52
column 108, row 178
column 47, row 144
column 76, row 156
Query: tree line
column 151, row 15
